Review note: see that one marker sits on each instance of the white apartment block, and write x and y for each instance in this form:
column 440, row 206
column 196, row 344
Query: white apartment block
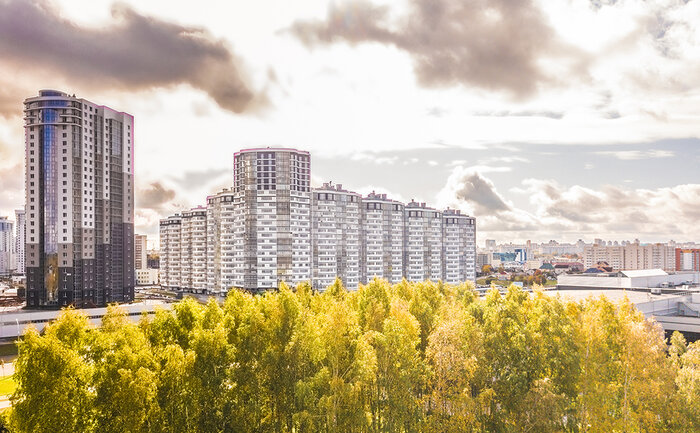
column 193, row 249
column 335, row 231
column 170, row 264
column 20, row 239
column 271, row 227
column 140, row 252
column 6, row 246
column 459, row 247
column 225, row 242
column 272, row 190
column 383, row 239
column 423, row 243
column 631, row 257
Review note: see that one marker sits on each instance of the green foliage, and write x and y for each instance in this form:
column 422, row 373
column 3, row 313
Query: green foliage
column 412, row 357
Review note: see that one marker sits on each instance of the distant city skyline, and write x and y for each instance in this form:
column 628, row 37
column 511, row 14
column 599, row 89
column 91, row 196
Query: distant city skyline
column 575, row 120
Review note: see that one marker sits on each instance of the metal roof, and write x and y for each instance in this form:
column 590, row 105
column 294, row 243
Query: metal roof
column 644, row 273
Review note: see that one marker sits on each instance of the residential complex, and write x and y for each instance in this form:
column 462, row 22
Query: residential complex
column 272, row 226
column 633, row 256
column 79, row 202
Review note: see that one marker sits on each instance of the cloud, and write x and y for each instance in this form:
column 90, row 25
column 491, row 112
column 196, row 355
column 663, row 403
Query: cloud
column 575, row 211
column 133, row 52
column 497, row 45
column 557, row 115
column 154, row 197
column 469, row 187
column 11, row 98
column 195, row 179
column 630, row 155
column 374, row 158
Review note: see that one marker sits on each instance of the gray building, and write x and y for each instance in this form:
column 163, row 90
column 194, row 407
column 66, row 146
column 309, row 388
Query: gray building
column 79, row 202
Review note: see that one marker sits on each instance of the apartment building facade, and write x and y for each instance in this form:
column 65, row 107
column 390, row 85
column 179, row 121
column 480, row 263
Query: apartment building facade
column 6, row 246
column 272, row 227
column 382, row 233
column 20, row 240
column 687, row 259
column 634, row 256
column 459, row 247
column 336, row 216
column 79, row 202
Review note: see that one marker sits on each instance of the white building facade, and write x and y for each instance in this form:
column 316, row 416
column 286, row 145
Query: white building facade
column 225, row 240
column 335, row 231
column 459, row 247
column 7, row 246
column 20, row 239
column 382, row 234
column 170, row 264
column 272, row 227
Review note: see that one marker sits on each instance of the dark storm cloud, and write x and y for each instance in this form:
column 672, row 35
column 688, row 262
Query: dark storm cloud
column 135, row 52
column 155, row 196
column 491, row 44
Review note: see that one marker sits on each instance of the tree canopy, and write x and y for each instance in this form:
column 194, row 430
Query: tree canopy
column 412, row 357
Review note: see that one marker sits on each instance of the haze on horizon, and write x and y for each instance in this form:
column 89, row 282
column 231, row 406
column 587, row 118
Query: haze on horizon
column 553, row 119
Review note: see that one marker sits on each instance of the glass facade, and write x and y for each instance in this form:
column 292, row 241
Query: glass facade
column 49, row 172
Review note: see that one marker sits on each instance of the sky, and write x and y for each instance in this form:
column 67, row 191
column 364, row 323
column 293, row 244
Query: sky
column 557, row 119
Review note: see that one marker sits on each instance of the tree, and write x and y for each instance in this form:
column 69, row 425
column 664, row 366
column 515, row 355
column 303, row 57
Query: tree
column 53, row 380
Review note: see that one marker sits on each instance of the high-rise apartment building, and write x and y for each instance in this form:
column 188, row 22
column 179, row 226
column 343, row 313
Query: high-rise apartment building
column 271, row 227
column 459, row 247
column 423, row 242
column 20, row 239
column 170, row 230
column 336, row 236
column 272, row 191
column 225, row 242
column 140, row 251
column 6, row 246
column 79, row 202
column 382, row 232
column 193, row 249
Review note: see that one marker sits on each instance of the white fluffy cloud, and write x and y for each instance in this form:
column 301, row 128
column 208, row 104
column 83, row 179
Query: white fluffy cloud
column 573, row 212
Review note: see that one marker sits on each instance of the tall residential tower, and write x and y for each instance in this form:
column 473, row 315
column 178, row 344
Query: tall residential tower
column 272, row 201
column 79, row 202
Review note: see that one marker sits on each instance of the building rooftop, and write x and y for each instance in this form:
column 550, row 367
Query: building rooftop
column 614, row 295
column 644, row 273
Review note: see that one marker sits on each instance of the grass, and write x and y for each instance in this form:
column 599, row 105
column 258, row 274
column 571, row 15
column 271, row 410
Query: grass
column 7, row 385
column 8, row 349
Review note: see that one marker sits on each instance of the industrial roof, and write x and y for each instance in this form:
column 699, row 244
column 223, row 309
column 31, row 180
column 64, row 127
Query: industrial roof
column 644, row 273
